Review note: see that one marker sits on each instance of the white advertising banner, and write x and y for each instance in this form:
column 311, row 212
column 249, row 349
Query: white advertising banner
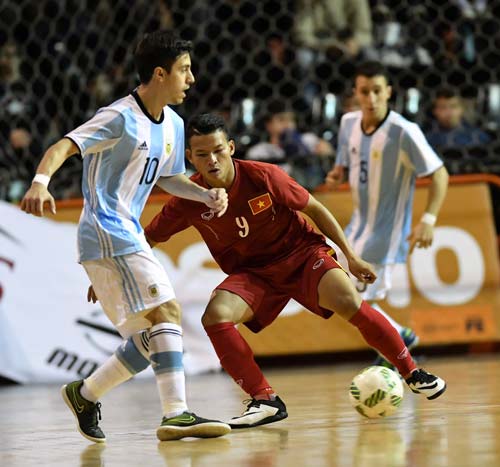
column 48, row 331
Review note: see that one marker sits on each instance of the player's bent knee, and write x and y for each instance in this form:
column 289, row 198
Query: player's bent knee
column 345, row 304
column 215, row 315
column 347, row 307
column 169, row 312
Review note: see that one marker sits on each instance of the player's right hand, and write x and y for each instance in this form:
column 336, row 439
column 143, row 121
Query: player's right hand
column 217, row 200
column 91, row 296
column 35, row 199
column 362, row 270
column 335, row 177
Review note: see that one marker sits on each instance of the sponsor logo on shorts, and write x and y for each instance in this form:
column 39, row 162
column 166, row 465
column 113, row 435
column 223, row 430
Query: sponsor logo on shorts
column 318, row 263
column 153, row 290
column 208, row 215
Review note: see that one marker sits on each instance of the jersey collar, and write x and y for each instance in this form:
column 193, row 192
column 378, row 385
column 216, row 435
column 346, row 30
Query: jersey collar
column 137, row 98
column 377, row 127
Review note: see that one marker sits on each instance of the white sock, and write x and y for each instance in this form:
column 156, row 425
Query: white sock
column 398, row 326
column 165, row 352
column 110, row 374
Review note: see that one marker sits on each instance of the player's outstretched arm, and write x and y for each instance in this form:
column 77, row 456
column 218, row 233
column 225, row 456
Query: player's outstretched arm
column 422, row 234
column 329, row 226
column 182, row 187
column 38, row 194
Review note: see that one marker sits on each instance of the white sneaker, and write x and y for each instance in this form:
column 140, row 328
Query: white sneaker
column 421, row 382
column 260, row 412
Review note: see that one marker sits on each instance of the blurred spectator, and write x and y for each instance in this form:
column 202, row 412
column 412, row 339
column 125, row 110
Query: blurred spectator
column 449, row 129
column 299, row 154
column 461, row 29
column 398, row 34
column 330, row 33
column 332, row 27
column 18, row 146
column 349, row 102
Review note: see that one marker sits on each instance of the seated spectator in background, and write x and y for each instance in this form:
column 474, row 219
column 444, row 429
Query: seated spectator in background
column 292, row 150
column 330, row 34
column 400, row 34
column 338, row 27
column 449, row 129
column 18, row 142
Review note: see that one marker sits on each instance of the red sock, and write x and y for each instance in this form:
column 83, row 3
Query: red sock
column 236, row 357
column 382, row 336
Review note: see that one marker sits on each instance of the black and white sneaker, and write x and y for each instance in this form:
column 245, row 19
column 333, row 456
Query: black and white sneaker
column 260, row 412
column 421, row 382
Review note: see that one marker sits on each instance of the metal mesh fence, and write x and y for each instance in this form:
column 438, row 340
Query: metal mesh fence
column 61, row 60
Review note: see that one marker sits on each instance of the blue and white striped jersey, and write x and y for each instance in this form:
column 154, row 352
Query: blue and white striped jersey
column 383, row 168
column 124, row 153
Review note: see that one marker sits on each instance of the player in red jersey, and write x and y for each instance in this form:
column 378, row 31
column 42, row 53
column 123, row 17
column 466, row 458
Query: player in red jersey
column 271, row 254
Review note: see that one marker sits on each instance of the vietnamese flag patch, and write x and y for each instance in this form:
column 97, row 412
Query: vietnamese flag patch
column 261, row 203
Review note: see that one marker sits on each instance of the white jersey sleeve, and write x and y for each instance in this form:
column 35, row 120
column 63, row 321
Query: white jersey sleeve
column 99, row 133
column 422, row 156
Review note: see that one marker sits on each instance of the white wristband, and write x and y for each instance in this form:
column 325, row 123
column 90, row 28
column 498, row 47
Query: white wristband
column 41, row 178
column 428, row 218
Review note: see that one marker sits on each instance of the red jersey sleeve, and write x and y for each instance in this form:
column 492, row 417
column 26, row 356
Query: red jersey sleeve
column 285, row 190
column 170, row 220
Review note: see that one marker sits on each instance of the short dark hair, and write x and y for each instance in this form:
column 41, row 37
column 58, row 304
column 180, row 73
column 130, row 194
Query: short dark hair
column 159, row 48
column 371, row 69
column 205, row 124
column 446, row 93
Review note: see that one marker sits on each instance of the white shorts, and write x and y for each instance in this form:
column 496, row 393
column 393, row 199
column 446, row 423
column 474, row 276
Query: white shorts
column 376, row 291
column 128, row 287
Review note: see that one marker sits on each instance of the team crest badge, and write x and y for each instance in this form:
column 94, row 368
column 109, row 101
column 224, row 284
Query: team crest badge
column 260, row 203
column 168, row 148
column 153, row 290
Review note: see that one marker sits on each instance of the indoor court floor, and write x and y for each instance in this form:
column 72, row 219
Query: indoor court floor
column 461, row 428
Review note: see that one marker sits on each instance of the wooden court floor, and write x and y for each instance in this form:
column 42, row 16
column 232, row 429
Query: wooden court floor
column 462, row 428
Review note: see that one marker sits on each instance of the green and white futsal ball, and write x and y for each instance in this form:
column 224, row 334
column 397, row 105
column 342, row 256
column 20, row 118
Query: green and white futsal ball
column 376, row 392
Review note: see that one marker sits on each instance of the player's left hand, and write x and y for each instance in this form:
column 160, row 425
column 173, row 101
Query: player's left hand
column 362, row 270
column 421, row 236
column 217, row 200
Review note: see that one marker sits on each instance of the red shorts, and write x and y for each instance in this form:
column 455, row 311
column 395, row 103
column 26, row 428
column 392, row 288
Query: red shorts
column 268, row 289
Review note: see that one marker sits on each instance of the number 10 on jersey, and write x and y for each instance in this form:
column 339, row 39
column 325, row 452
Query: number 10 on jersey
column 149, row 172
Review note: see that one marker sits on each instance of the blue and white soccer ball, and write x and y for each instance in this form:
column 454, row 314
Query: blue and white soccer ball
column 376, row 392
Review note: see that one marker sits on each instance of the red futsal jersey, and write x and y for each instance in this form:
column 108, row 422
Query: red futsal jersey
column 260, row 227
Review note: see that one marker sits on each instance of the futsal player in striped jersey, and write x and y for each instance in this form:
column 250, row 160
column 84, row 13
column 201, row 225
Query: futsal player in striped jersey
column 271, row 255
column 384, row 154
column 127, row 148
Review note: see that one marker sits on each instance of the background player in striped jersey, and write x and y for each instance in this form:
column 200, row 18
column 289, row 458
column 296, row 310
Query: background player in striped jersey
column 127, row 148
column 271, row 254
column 384, row 154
